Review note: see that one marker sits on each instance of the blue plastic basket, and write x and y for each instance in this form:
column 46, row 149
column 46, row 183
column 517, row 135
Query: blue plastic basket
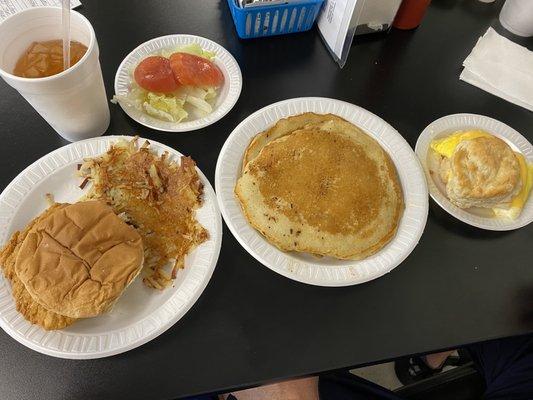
column 278, row 19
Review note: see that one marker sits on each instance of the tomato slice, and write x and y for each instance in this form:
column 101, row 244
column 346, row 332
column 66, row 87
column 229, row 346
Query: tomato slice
column 154, row 74
column 195, row 71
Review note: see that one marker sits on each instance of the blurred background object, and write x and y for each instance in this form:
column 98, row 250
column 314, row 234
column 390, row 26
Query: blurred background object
column 375, row 15
column 517, row 17
column 259, row 18
column 340, row 20
column 410, row 14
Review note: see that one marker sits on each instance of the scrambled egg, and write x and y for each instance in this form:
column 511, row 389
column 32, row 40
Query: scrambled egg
column 446, row 146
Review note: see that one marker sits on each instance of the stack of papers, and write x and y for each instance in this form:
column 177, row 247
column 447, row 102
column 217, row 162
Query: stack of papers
column 501, row 67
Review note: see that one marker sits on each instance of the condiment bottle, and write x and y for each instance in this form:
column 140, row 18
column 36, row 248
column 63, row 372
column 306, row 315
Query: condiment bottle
column 410, row 14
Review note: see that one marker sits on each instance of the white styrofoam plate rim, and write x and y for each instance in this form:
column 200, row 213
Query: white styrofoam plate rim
column 79, row 345
column 230, row 91
column 325, row 271
column 464, row 121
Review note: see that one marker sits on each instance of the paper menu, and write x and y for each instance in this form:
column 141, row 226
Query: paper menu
column 337, row 23
column 340, row 20
column 10, row 7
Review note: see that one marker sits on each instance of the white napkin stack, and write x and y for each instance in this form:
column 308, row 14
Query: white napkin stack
column 501, row 67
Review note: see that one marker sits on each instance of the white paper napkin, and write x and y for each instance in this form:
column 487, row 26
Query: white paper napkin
column 501, row 67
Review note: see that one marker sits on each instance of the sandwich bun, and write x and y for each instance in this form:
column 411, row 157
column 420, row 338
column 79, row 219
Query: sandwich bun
column 78, row 260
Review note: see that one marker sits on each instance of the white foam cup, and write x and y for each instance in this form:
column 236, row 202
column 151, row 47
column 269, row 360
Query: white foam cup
column 517, row 17
column 74, row 101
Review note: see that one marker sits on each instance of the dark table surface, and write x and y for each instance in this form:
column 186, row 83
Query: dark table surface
column 460, row 285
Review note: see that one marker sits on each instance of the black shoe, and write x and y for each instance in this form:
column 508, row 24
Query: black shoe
column 410, row 370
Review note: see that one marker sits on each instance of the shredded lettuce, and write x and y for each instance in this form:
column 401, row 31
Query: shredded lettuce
column 198, row 97
column 204, row 93
column 211, row 93
column 165, row 108
column 193, row 48
column 169, row 107
column 125, row 100
column 199, row 103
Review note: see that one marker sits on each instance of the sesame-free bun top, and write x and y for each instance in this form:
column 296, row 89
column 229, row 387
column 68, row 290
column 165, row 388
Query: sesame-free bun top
column 78, row 260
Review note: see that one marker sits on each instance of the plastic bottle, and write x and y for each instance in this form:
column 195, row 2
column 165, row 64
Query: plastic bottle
column 410, row 14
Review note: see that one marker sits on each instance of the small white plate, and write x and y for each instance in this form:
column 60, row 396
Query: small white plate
column 228, row 93
column 305, row 268
column 141, row 314
column 477, row 217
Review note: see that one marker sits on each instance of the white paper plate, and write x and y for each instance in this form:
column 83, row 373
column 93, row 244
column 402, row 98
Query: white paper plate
column 306, row 268
column 474, row 216
column 141, row 314
column 228, row 94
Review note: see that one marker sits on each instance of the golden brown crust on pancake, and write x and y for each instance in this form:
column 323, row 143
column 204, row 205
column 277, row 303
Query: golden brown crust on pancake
column 281, row 128
column 484, row 172
column 333, row 192
column 31, row 310
column 79, row 259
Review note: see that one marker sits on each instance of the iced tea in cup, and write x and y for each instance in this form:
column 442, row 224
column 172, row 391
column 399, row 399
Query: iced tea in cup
column 72, row 101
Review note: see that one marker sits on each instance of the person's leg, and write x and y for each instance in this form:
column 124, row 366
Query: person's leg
column 296, row 389
column 437, row 360
column 346, row 386
column 507, row 365
column 414, row 369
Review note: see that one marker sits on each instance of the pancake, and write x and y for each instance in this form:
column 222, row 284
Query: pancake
column 283, row 127
column 29, row 308
column 78, row 260
column 332, row 192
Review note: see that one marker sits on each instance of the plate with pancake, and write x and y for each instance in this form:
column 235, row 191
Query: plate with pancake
column 322, row 191
column 479, row 170
column 106, row 243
